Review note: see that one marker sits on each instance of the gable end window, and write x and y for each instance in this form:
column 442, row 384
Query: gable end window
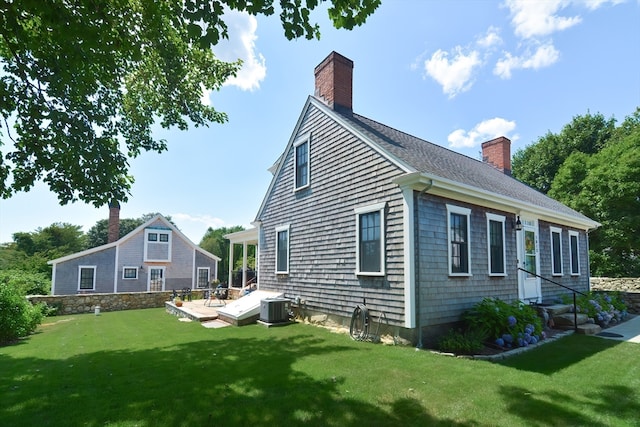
column 556, row 251
column 157, row 245
column 574, row 252
column 282, row 249
column 370, row 238
column 129, row 272
column 301, row 162
column 458, row 236
column 86, row 277
column 496, row 245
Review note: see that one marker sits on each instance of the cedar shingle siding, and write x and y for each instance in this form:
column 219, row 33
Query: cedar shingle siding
column 322, row 223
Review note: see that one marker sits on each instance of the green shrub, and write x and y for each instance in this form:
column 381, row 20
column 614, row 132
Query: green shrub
column 27, row 282
column 462, row 342
column 18, row 317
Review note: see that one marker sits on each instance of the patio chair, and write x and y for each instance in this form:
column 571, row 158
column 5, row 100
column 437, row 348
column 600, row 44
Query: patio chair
column 220, row 293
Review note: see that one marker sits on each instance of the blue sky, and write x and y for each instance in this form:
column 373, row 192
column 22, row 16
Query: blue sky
column 455, row 73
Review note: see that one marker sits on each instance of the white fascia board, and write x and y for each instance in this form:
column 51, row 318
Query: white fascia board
column 467, row 193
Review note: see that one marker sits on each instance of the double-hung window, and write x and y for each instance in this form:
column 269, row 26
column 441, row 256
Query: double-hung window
column 458, row 236
column 130, row 273
column 282, row 249
column 574, row 251
column 87, row 278
column 556, row 251
column 496, row 246
column 370, row 240
column 301, row 162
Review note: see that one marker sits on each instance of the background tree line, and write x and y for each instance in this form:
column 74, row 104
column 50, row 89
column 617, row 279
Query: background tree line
column 593, row 166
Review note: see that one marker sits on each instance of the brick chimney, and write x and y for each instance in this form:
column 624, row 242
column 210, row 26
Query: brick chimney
column 113, row 233
column 334, row 81
column 497, row 153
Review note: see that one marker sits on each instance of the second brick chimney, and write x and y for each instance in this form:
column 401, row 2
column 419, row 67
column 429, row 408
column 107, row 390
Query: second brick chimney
column 497, row 152
column 334, row 81
column 113, row 232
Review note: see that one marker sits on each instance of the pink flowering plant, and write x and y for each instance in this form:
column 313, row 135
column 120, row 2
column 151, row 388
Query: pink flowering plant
column 506, row 325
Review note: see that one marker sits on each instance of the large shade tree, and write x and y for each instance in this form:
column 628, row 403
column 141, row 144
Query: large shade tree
column 83, row 81
column 594, row 167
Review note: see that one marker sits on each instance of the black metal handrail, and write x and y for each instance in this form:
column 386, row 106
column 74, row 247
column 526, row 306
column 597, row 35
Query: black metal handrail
column 575, row 291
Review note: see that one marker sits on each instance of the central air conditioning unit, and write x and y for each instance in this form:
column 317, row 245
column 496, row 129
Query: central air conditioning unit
column 274, row 310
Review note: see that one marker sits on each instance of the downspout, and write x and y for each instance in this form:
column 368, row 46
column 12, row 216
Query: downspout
column 416, row 281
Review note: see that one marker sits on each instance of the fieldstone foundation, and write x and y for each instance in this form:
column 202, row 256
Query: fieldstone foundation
column 86, row 303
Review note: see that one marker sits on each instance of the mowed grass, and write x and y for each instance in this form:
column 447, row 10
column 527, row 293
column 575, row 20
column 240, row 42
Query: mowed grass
column 145, row 368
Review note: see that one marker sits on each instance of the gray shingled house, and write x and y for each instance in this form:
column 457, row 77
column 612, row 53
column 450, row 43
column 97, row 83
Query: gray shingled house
column 358, row 211
column 154, row 257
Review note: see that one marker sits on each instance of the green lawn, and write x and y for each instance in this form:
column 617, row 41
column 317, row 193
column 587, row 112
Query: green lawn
column 145, row 368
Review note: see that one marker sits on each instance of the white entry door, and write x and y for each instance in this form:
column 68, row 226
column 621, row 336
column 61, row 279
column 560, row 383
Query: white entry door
column 528, row 259
column 156, row 279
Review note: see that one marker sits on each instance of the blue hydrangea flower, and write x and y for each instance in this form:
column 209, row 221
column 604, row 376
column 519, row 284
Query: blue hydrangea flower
column 512, row 321
column 508, row 338
column 500, row 342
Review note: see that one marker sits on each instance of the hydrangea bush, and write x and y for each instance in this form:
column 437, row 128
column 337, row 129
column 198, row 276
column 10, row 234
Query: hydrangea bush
column 506, row 324
column 606, row 309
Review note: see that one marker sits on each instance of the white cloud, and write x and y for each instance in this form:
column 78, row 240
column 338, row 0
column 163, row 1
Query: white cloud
column 543, row 56
column 490, row 39
column 241, row 45
column 595, row 4
column 483, row 131
column 454, row 72
column 539, row 18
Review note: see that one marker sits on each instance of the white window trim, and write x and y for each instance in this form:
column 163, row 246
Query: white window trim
column 380, row 207
column 559, row 231
column 198, row 276
column 157, row 242
column 93, row 287
column 286, row 228
column 501, row 219
column 129, row 267
column 577, row 235
column 305, row 139
column 460, row 211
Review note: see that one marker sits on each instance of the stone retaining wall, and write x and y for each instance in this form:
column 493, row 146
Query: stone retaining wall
column 86, row 303
column 629, row 288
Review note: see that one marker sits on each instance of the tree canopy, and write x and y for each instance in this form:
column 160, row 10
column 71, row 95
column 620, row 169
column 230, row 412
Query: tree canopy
column 594, row 167
column 83, row 82
column 214, row 242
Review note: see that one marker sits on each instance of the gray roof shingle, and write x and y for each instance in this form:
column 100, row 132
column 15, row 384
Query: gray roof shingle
column 434, row 159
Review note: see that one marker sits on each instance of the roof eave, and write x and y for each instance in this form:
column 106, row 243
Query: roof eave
column 438, row 186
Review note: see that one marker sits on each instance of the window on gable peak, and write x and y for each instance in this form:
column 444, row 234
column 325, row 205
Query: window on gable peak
column 301, row 163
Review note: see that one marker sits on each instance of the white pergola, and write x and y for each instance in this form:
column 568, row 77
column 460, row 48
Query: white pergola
column 244, row 238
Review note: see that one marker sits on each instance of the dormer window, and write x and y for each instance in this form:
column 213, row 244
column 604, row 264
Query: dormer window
column 157, row 245
column 301, row 162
